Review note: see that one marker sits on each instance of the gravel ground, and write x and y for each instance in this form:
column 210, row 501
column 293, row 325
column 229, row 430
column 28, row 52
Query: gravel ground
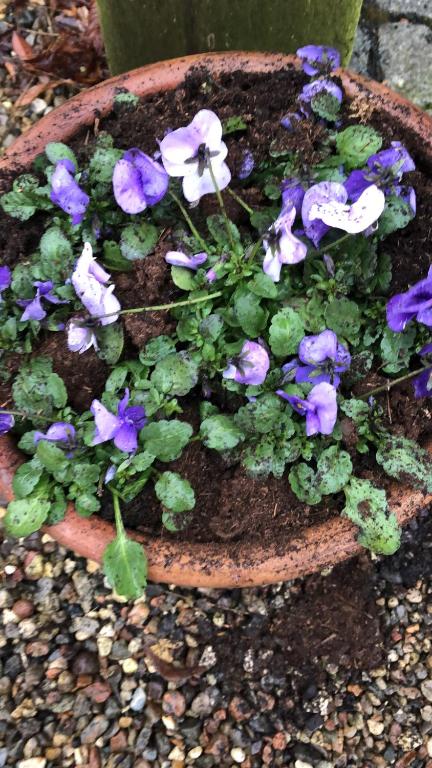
column 229, row 677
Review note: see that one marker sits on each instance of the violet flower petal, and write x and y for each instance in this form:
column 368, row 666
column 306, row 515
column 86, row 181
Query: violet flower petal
column 353, row 218
column 423, row 384
column 323, row 192
column 195, row 186
column 138, row 181
column 324, row 398
column 125, row 438
column 179, row 259
column 281, row 246
column 106, row 423
column 311, row 90
column 7, row 421
column 318, row 59
column 250, row 366
column 5, row 279
column 66, row 193
column 80, row 337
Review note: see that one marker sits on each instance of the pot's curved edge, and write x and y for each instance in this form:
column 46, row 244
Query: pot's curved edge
column 195, row 565
column 183, row 563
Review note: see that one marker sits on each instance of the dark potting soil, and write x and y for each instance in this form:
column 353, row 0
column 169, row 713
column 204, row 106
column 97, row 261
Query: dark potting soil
column 231, row 507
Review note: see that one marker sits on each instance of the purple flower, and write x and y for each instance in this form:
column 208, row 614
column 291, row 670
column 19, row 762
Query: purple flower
column 293, row 193
column 323, row 192
column 414, row 303
column 179, row 259
column 138, row 181
column 423, row 382
column 311, row 90
column 122, row 429
column 66, row 193
column 34, row 309
column 281, row 246
column 323, row 358
column 61, row 432
column 5, row 280
column 6, row 422
column 384, row 169
column 89, row 281
column 250, row 366
column 320, row 408
column 291, row 120
column 211, row 275
column 318, row 59
column 188, row 153
column 247, row 164
column 353, row 218
column 80, row 337
column 110, row 474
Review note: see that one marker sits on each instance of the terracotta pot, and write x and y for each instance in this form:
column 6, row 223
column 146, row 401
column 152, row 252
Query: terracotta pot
column 179, row 562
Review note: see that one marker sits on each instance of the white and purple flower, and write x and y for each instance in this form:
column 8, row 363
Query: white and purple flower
column 122, row 428
column 320, row 408
column 62, row 433
column 66, row 193
column 250, row 366
column 33, row 307
column 384, row 169
column 319, row 194
column 414, row 303
column 319, row 59
column 313, row 89
column 352, row 219
column 320, row 358
column 281, row 246
column 80, row 336
column 138, row 181
column 180, row 259
column 90, row 280
column 188, row 153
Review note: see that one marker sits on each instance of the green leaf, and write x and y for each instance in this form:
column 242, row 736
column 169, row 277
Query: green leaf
column 57, row 512
column 326, row 106
column 50, row 456
column 233, row 124
column 334, row 469
column 102, row 164
column 26, row 478
column 397, row 348
column 217, row 226
column 174, row 492
column 138, row 240
column 176, row 374
column 396, row 215
column 57, row 390
column 113, row 258
column 25, row 198
column 116, row 379
column 38, row 391
column 86, row 504
column 286, row 332
column 156, row 349
column 25, row 516
column 126, row 98
column 262, row 416
column 56, row 151
column 249, row 313
column 220, row 433
column 343, row 317
column 166, row 439
column 304, row 484
column 405, row 460
column 262, row 285
column 183, row 278
column 57, row 255
column 27, row 443
column 125, row 566
column 366, row 506
column 111, row 341
column 211, row 327
column 262, row 220
column 173, row 522
column 356, row 144
column 85, row 475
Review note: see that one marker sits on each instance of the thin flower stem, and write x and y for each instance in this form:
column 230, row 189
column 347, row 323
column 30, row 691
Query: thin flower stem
column 159, row 307
column 256, row 248
column 334, row 244
column 221, row 205
column 13, row 413
column 190, row 223
column 391, row 383
column 118, row 516
column 239, row 200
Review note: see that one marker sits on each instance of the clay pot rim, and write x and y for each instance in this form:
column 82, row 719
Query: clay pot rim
column 185, row 563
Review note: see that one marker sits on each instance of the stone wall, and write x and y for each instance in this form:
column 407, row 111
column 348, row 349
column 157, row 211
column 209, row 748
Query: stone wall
column 394, row 44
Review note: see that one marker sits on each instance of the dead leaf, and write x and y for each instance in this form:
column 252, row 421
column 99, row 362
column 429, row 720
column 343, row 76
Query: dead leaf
column 34, row 91
column 172, row 672
column 21, row 48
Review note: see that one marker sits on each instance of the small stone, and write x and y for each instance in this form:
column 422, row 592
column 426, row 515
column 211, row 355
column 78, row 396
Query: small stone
column 426, row 689
column 85, row 663
column 194, row 753
column 84, row 627
column 104, row 645
column 94, row 729
column 238, row 755
column 176, row 754
column 138, row 700
column 34, row 566
column 302, row 764
column 33, row 762
column 118, row 742
column 38, row 106
column 23, row 609
column 202, row 704
column 125, row 722
column 429, row 747
column 375, row 727
column 174, row 703
column 138, row 614
column 129, row 666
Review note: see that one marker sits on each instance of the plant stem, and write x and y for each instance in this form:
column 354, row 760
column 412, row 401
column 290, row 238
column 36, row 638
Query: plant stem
column 239, row 200
column 190, row 223
column 160, row 307
column 221, row 205
column 334, row 244
column 256, row 248
column 118, row 517
column 392, row 383
column 13, row 413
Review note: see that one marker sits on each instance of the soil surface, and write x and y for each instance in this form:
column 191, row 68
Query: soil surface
column 231, row 507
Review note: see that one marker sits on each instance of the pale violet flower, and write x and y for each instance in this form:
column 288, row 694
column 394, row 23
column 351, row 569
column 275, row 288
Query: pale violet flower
column 80, row 337
column 354, row 218
column 320, row 408
column 138, row 181
column 416, row 303
column 89, row 280
column 250, row 366
column 7, row 421
column 179, row 259
column 320, row 358
column 34, row 309
column 319, row 59
column 60, row 432
column 281, row 246
column 187, row 152
column 5, row 280
column 66, row 193
column 122, row 428
column 323, row 192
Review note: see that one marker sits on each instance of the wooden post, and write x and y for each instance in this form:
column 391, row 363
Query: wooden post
column 137, row 32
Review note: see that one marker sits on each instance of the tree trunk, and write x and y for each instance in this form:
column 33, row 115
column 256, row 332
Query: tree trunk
column 137, row 32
